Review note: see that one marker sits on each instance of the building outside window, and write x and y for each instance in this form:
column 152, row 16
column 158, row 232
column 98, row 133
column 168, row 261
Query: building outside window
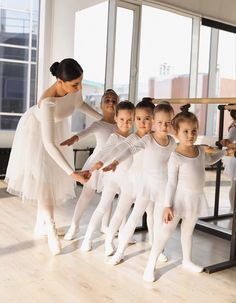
column 19, row 21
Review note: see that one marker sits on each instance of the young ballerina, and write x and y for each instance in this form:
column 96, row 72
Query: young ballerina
column 113, row 182
column 40, row 171
column 230, row 162
column 101, row 130
column 184, row 197
column 143, row 123
column 157, row 149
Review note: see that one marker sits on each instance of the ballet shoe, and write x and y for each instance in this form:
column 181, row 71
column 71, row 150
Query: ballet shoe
column 53, row 240
column 149, row 275
column 162, row 258
column 192, row 267
column 109, row 249
column 116, row 259
column 71, row 233
column 86, row 245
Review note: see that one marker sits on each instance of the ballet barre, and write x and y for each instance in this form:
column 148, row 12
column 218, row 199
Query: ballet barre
column 226, row 101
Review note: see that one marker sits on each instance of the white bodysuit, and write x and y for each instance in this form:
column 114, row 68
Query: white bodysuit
column 186, row 179
column 39, row 167
column 101, row 130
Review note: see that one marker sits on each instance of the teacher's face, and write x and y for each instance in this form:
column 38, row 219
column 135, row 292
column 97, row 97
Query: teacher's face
column 72, row 86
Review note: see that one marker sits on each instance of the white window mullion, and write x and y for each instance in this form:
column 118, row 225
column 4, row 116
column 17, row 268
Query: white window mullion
column 194, row 58
column 212, row 81
column 29, row 58
column 111, row 36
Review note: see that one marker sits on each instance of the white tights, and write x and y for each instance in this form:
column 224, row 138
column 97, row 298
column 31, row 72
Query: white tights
column 127, row 232
column 108, row 195
column 85, row 199
column 162, row 235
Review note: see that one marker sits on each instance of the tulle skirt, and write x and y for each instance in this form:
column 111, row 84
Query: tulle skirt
column 32, row 174
column 189, row 205
column 151, row 188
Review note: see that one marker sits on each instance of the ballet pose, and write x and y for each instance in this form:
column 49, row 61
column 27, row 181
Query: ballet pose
column 230, row 162
column 113, row 182
column 184, row 198
column 157, row 149
column 41, row 171
column 101, row 129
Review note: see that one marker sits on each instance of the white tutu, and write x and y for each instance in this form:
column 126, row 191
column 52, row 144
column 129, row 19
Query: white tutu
column 32, row 174
column 151, row 188
column 190, row 204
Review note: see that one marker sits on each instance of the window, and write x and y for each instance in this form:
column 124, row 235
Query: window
column 165, row 49
column 90, row 51
column 18, row 59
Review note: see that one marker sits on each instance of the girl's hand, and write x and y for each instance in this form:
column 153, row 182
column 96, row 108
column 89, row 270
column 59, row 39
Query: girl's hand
column 231, row 152
column 111, row 166
column 225, row 142
column 70, row 141
column 82, row 176
column 168, row 214
column 96, row 166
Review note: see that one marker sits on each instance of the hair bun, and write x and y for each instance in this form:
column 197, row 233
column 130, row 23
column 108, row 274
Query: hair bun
column 185, row 108
column 54, row 68
column 147, row 99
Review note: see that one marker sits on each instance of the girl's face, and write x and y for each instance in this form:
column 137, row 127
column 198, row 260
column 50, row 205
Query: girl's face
column 124, row 119
column 71, row 86
column 187, row 133
column 109, row 103
column 143, row 120
column 162, row 122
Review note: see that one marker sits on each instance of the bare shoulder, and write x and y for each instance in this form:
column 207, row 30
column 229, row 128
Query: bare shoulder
column 49, row 93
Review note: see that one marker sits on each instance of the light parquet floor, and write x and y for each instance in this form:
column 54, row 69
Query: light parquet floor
column 29, row 274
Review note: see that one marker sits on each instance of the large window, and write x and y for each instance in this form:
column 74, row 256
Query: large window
column 165, row 50
column 18, row 59
column 90, row 51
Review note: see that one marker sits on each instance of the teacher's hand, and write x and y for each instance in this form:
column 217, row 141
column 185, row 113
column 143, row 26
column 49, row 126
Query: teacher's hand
column 82, row 176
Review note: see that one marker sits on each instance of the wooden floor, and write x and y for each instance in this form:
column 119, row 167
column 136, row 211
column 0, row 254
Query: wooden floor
column 29, row 273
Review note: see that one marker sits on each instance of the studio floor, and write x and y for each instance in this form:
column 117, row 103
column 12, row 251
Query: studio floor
column 30, row 274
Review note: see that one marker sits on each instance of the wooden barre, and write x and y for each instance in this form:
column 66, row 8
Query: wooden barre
column 197, row 100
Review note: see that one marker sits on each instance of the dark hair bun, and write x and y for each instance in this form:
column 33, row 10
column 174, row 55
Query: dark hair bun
column 147, row 99
column 185, row 108
column 54, row 68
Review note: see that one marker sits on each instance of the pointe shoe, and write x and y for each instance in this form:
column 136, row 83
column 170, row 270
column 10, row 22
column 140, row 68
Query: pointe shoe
column 192, row 267
column 86, row 246
column 109, row 249
column 162, row 258
column 71, row 233
column 53, row 240
column 149, row 275
column 116, row 259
